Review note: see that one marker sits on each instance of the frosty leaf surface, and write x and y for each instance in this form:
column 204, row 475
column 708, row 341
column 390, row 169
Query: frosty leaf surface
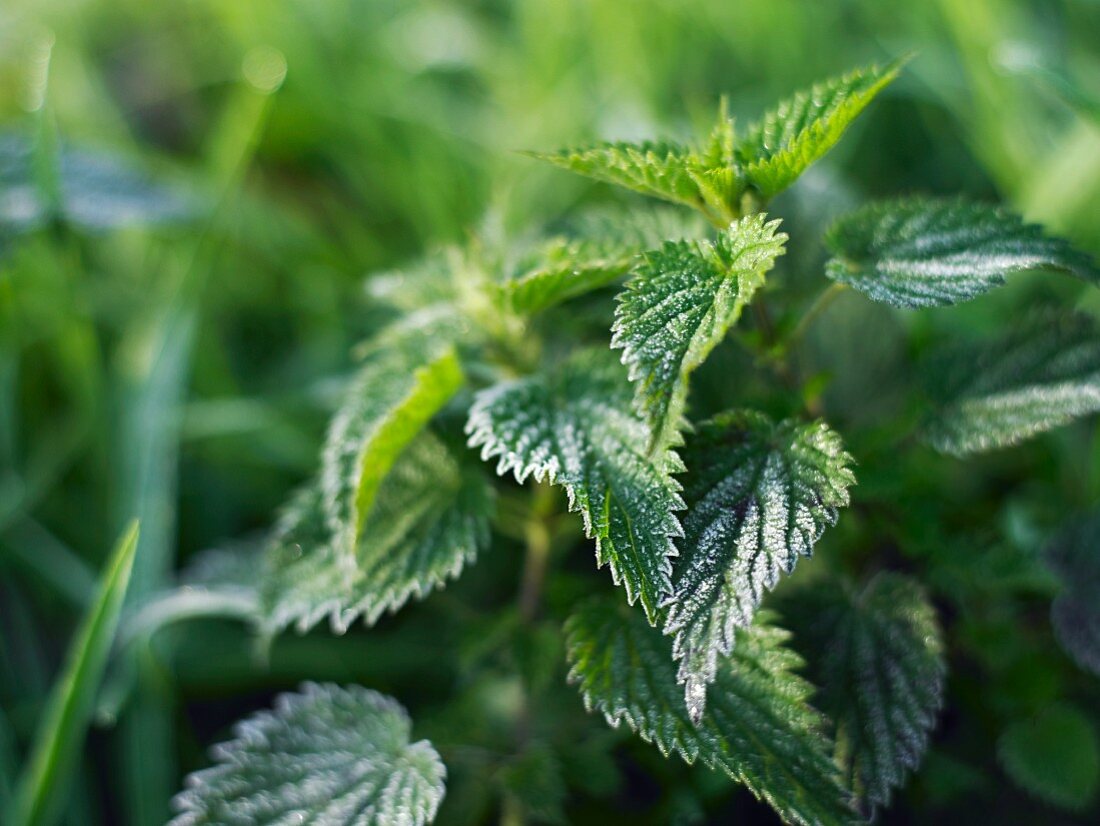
column 1074, row 556
column 927, row 252
column 326, row 755
column 1043, row 375
column 429, row 519
column 574, row 427
column 403, row 382
column 787, row 140
column 759, row 495
column 758, row 728
column 678, row 305
column 877, row 655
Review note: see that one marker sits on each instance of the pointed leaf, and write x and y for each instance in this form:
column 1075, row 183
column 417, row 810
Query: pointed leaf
column 68, row 712
column 1074, row 556
column 327, row 756
column 1042, row 376
column 574, row 427
column 406, row 379
column 1054, row 756
column 929, row 252
column 679, row 304
column 877, row 655
column 787, row 140
column 758, row 729
column 759, row 496
column 429, row 519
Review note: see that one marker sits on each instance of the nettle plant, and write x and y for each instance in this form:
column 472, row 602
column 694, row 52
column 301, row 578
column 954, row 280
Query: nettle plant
column 507, row 360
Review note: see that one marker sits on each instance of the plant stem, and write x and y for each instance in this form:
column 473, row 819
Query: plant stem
column 537, row 537
column 820, row 304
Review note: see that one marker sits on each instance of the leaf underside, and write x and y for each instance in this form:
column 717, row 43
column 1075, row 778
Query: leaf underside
column 759, row 496
column 1074, row 556
column 800, row 130
column 429, row 519
column 402, row 384
column 758, row 728
column 928, row 252
column 575, row 428
column 877, row 654
column 1041, row 376
column 679, row 304
column 327, row 756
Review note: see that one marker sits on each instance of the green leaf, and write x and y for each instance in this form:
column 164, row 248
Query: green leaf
column 877, row 654
column 759, row 496
column 68, row 713
column 1074, row 556
column 429, row 519
column 788, row 139
column 1041, row 376
column 758, row 728
column 326, row 755
column 928, row 252
column 601, row 247
column 575, row 428
column 661, row 169
column 679, row 304
column 405, row 380
column 1054, row 756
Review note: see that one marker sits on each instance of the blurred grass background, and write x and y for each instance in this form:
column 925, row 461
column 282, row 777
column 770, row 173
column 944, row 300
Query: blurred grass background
column 184, row 374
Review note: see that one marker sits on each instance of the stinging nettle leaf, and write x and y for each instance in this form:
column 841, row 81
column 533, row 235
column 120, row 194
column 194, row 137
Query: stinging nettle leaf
column 574, row 427
column 1074, row 556
column 758, row 728
column 429, row 519
column 877, row 654
column 1054, row 755
column 405, row 380
column 931, row 252
column 1042, row 376
column 326, row 755
column 786, row 141
column 679, row 304
column 759, row 496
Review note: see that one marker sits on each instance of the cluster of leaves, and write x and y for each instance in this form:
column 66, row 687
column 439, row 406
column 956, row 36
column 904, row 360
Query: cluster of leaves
column 695, row 520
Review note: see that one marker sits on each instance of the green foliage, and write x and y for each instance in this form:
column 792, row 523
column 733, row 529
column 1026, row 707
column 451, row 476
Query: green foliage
column 574, row 427
column 678, row 306
column 65, row 722
column 921, row 252
column 1054, row 755
column 788, row 139
column 758, row 727
column 759, row 496
column 1042, row 375
column 325, row 755
column 878, row 653
column 1075, row 612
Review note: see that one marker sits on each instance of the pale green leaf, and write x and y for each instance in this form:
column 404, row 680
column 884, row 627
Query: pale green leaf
column 877, row 654
column 788, row 139
column 1054, row 756
column 429, row 519
column 927, row 252
column 759, row 496
column 758, row 728
column 1074, row 556
column 406, row 378
column 677, row 307
column 1041, row 376
column 601, row 247
column 574, row 427
column 42, row 788
column 328, row 756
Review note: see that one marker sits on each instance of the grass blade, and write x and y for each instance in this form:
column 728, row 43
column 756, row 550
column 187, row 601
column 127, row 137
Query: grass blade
column 69, row 709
